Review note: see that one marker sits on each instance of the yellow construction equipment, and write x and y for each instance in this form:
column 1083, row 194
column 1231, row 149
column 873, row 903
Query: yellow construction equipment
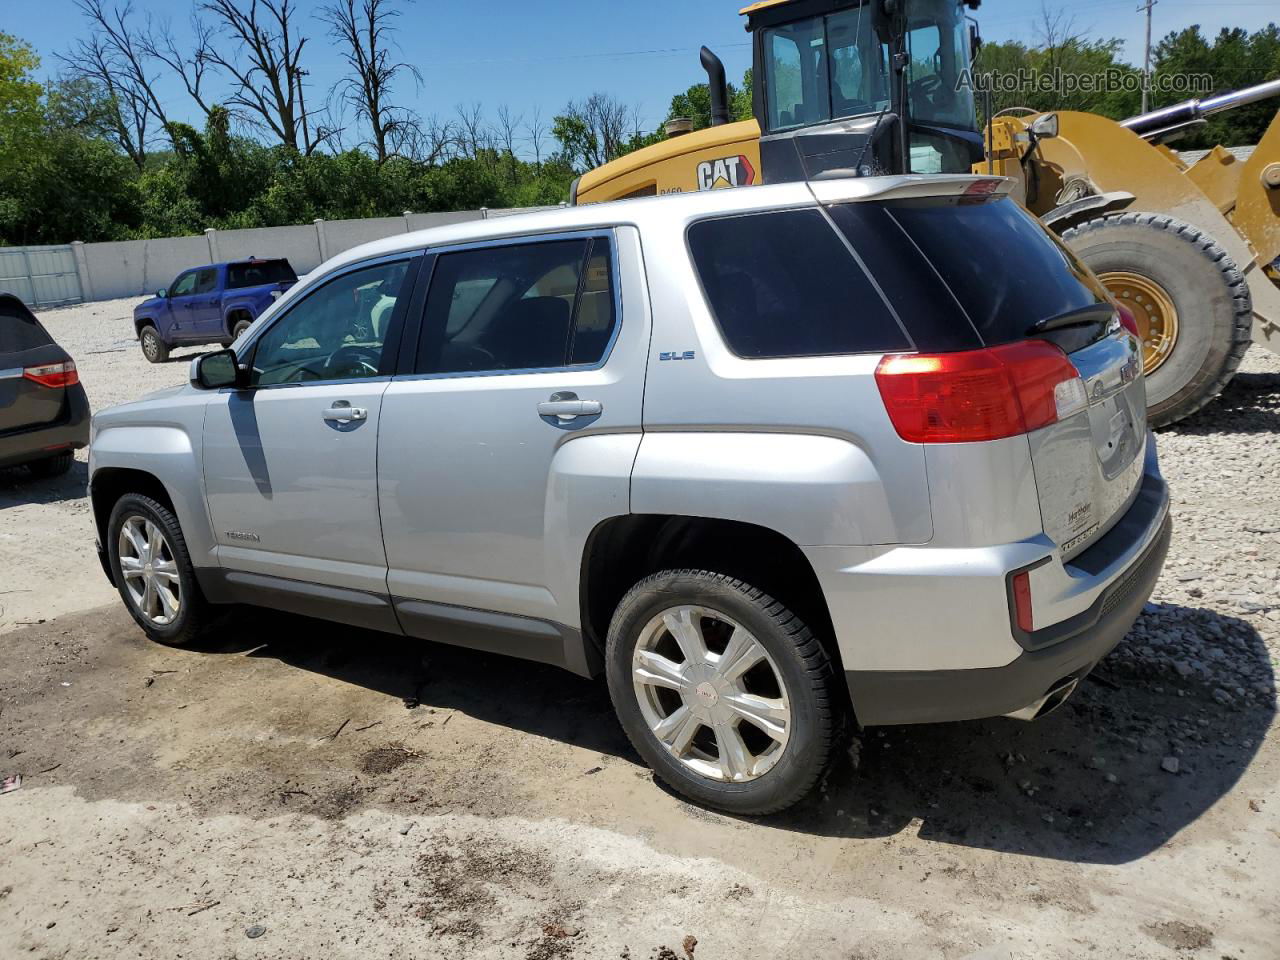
column 864, row 87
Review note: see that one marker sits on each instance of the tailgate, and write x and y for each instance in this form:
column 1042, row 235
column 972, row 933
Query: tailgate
column 1089, row 466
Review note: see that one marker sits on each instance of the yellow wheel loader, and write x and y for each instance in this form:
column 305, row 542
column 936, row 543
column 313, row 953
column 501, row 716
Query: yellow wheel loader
column 864, row 87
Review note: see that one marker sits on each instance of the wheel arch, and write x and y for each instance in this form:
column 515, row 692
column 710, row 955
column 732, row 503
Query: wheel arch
column 109, row 484
column 623, row 550
column 233, row 313
column 160, row 462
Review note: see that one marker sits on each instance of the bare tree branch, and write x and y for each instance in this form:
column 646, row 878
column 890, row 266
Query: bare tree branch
column 363, row 28
column 537, row 128
column 114, row 59
column 190, row 63
column 266, row 67
column 471, row 133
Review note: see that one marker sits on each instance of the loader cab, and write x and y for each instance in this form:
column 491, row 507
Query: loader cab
column 863, row 88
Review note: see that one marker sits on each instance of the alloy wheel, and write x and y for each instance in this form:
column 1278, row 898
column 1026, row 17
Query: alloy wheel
column 149, row 570
column 711, row 694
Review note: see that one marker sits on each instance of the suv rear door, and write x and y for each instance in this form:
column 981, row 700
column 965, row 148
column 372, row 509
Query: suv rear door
column 529, row 368
column 24, row 344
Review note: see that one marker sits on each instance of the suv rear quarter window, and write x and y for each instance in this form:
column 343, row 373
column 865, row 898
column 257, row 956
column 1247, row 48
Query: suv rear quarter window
column 1003, row 269
column 783, row 284
column 19, row 329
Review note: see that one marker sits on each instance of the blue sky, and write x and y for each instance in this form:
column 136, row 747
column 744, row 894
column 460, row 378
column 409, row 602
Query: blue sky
column 542, row 54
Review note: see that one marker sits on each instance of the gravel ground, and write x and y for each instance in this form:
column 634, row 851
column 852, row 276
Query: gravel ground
column 177, row 801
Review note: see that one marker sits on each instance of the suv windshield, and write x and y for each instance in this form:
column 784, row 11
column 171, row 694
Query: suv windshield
column 837, row 66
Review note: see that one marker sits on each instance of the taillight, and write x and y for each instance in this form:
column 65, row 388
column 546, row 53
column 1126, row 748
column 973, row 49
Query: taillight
column 1022, row 601
column 979, row 395
column 53, row 374
column 1127, row 320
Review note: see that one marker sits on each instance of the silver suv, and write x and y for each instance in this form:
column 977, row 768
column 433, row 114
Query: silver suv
column 771, row 460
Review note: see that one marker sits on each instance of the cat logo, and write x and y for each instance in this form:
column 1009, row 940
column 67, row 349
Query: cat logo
column 726, row 172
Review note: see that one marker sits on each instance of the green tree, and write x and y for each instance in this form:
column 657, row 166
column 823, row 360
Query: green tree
column 21, row 115
column 1234, row 59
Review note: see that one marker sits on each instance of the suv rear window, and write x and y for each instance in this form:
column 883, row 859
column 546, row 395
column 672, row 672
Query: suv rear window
column 1003, row 269
column 783, row 284
column 258, row 273
column 19, row 330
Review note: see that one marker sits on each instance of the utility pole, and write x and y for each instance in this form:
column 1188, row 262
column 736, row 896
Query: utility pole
column 1146, row 59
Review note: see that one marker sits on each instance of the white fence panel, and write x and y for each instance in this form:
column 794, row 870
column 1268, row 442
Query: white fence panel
column 43, row 276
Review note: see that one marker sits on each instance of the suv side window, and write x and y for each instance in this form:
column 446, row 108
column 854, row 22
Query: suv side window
column 206, row 280
column 336, row 332
column 521, row 306
column 184, row 285
column 783, row 284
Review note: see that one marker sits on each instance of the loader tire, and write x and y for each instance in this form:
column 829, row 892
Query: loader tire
column 1212, row 308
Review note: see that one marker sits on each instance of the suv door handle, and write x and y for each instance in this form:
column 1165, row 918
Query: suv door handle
column 567, row 406
column 343, row 412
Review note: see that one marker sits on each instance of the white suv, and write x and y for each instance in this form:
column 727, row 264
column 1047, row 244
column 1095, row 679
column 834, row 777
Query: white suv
column 769, row 459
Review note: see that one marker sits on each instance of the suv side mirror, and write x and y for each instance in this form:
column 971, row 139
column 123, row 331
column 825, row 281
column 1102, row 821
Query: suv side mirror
column 162, row 292
column 1045, row 126
column 212, row 371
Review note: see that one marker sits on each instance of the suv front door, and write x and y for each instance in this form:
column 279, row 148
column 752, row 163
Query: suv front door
column 290, row 460
column 526, row 382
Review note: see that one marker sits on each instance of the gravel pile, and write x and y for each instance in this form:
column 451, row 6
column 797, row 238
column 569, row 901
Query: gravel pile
column 1214, row 620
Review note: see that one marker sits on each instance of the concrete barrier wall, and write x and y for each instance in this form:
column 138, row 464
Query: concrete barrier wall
column 299, row 245
column 131, row 268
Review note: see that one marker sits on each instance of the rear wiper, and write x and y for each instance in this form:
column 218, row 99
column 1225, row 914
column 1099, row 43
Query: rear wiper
column 1085, row 316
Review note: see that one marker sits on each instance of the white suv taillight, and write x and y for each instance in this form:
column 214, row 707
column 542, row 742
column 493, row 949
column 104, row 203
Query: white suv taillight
column 977, row 395
column 53, row 374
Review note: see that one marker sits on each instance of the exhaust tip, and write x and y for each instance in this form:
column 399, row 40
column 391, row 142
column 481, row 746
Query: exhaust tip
column 1055, row 697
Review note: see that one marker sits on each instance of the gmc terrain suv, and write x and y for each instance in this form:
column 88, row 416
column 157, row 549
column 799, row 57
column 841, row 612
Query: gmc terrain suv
column 769, row 459
column 213, row 304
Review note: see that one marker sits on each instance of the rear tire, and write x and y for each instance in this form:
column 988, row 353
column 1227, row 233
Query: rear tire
column 54, row 466
column 160, row 548
column 1213, row 309
column 239, row 327
column 694, row 733
column 153, row 348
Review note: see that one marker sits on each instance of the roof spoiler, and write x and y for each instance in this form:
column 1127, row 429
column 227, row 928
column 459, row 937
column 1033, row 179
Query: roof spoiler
column 836, row 186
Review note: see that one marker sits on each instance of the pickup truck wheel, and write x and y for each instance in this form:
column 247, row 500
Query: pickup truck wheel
column 153, row 572
column 723, row 691
column 239, row 327
column 54, row 466
column 153, row 348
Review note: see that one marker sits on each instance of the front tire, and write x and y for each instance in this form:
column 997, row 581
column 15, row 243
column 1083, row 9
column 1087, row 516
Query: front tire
column 153, row 348
column 1191, row 301
column 153, row 571
column 723, row 691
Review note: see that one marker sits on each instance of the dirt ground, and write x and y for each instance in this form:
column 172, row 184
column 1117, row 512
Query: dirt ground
column 294, row 789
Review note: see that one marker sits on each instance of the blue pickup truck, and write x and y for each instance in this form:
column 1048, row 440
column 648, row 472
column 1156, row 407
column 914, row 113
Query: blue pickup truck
column 211, row 304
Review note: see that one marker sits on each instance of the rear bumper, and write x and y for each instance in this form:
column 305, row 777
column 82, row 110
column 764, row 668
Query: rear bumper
column 928, row 634
column 69, row 432
column 929, row 696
